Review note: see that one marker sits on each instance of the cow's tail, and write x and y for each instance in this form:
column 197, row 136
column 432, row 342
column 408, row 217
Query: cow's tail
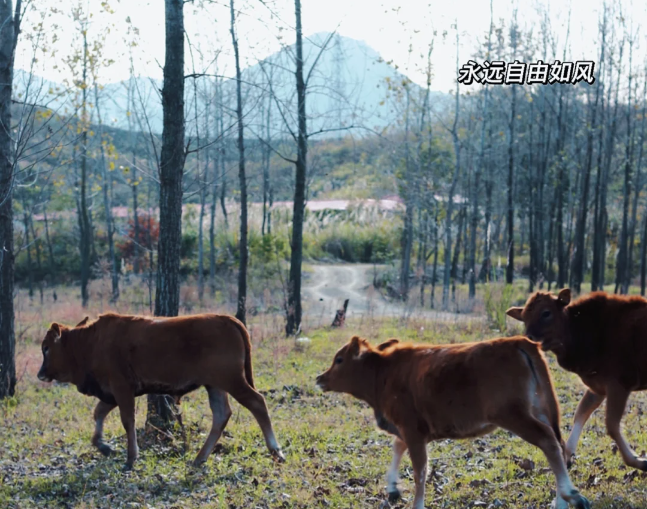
column 545, row 388
column 247, row 343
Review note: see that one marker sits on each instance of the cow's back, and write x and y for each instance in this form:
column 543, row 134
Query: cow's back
column 451, row 386
column 609, row 334
column 181, row 352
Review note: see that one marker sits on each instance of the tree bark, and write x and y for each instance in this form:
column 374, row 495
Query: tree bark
column 84, row 218
column 621, row 264
column 293, row 324
column 107, row 205
column 167, row 292
column 452, row 189
column 242, row 241
column 9, row 29
column 214, row 206
column 407, row 232
column 638, row 188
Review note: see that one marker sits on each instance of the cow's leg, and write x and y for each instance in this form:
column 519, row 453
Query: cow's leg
column 392, row 477
column 219, row 403
column 100, row 412
column 126, row 401
column 532, row 430
column 589, row 403
column 247, row 396
column 616, row 401
column 418, row 453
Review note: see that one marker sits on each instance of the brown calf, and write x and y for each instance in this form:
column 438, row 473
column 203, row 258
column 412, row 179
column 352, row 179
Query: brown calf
column 431, row 392
column 602, row 338
column 117, row 358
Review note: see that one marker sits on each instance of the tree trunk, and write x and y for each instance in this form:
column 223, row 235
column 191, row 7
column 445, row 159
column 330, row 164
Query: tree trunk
column 202, row 182
column 50, row 249
column 452, row 189
column 212, row 219
column 107, row 205
column 242, row 241
column 84, row 219
column 434, row 271
column 638, row 188
column 457, row 250
column 223, row 156
column 477, row 174
column 9, row 29
column 621, row 265
column 39, row 265
column 136, row 248
column 167, row 292
column 30, row 275
column 265, row 227
column 486, row 267
column 643, row 256
column 407, row 232
column 509, row 269
column 577, row 270
column 296, row 258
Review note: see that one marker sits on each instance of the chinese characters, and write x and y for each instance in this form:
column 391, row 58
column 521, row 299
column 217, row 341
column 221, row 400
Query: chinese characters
column 499, row 72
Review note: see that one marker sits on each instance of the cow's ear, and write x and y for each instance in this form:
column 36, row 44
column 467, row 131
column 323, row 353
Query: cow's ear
column 357, row 345
column 387, row 343
column 56, row 329
column 515, row 313
column 83, row 322
column 564, row 296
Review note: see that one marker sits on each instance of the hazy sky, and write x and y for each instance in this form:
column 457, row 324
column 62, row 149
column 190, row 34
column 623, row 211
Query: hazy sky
column 391, row 27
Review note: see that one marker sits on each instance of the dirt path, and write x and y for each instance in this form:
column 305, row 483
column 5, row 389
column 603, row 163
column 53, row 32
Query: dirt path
column 325, row 289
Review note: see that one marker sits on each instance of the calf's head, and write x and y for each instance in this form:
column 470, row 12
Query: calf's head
column 56, row 360
column 350, row 367
column 545, row 318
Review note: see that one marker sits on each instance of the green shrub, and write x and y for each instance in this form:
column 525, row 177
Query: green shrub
column 498, row 298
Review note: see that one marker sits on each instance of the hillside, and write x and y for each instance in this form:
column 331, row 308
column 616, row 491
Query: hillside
column 355, row 96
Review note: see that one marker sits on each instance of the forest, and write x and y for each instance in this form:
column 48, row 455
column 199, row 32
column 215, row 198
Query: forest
column 274, row 182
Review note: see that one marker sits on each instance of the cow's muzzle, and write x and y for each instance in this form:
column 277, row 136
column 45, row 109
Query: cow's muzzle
column 321, row 382
column 43, row 377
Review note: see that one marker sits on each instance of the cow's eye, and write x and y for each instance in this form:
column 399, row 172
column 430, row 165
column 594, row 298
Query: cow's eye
column 45, row 349
column 545, row 315
column 338, row 360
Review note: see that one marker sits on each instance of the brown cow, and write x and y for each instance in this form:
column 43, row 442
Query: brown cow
column 117, row 358
column 431, row 392
column 602, row 338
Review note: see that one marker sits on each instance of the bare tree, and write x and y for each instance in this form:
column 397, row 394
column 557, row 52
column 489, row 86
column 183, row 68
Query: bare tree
column 173, row 154
column 452, row 188
column 296, row 258
column 242, row 241
column 509, row 269
column 9, row 30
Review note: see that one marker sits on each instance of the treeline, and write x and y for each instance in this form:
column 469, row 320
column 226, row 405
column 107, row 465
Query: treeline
column 549, row 179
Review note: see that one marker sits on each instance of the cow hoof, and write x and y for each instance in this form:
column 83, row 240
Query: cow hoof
column 278, row 454
column 128, row 467
column 394, row 496
column 105, row 449
column 569, row 462
column 198, row 463
column 582, row 503
column 642, row 464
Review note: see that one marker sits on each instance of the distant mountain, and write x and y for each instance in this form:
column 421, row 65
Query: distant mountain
column 348, row 87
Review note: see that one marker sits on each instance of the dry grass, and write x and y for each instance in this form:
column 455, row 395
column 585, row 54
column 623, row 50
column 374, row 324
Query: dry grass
column 335, row 455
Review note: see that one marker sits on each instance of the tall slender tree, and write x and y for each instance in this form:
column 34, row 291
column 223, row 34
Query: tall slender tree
column 509, row 269
column 9, row 30
column 242, row 241
column 171, row 170
column 294, row 311
column 452, row 189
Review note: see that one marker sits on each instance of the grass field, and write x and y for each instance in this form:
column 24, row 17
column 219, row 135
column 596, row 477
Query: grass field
column 335, row 455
